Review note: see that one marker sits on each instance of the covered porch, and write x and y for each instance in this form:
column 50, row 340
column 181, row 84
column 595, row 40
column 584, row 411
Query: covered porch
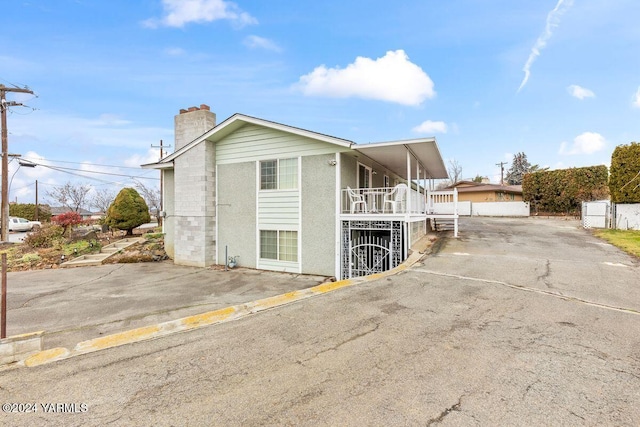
column 388, row 203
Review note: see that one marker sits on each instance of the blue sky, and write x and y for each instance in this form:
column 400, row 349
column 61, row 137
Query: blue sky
column 556, row 79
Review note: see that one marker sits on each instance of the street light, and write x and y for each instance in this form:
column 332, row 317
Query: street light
column 21, row 162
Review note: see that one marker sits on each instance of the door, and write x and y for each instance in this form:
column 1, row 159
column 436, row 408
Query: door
column 364, row 176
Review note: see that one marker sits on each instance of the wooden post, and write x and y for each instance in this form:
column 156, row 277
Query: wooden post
column 3, row 309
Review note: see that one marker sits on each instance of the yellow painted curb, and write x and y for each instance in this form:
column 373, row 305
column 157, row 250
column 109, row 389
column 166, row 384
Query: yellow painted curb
column 275, row 301
column 331, row 286
column 209, row 318
column 133, row 335
column 46, row 356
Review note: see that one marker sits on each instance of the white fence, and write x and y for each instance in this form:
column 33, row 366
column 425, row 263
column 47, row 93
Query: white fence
column 626, row 216
column 493, row 208
column 595, row 214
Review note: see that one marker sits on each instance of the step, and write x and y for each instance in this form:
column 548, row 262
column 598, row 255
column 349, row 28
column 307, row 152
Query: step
column 106, row 252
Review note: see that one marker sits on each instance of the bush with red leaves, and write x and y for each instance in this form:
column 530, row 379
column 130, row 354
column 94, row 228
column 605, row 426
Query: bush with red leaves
column 67, row 220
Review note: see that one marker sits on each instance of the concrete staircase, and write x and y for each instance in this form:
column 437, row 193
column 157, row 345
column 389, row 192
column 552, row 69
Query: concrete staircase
column 105, row 252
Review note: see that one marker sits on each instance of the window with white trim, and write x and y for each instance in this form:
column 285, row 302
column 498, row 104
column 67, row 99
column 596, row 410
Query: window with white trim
column 279, row 174
column 281, row 245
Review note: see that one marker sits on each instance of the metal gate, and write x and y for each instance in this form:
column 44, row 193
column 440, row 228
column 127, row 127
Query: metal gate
column 595, row 214
column 370, row 247
column 369, row 255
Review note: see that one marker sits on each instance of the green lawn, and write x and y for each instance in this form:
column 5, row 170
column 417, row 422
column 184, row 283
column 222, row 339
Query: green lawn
column 627, row 240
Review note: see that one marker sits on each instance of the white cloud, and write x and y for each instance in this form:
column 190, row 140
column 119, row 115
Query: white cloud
column 151, row 156
column 553, row 20
column 580, row 92
column 431, row 127
column 585, row 143
column 636, row 99
column 256, row 42
column 178, row 13
column 391, row 78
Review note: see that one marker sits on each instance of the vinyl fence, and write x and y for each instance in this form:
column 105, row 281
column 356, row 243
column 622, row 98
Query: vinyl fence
column 626, row 216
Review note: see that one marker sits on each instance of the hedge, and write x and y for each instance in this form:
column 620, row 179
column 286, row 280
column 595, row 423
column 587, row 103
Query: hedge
column 624, row 182
column 564, row 190
column 28, row 211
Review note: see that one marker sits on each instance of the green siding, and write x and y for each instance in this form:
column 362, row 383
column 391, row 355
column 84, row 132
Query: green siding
column 252, row 143
column 278, row 210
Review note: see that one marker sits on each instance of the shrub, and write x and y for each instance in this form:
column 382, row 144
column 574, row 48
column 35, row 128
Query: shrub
column 48, row 236
column 128, row 211
column 66, row 220
column 563, row 190
column 30, row 258
column 28, row 211
column 624, row 182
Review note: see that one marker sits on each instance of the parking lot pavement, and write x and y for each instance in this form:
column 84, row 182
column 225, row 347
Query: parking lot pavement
column 72, row 305
column 553, row 256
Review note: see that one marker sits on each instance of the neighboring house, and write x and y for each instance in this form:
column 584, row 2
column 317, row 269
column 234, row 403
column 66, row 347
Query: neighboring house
column 276, row 196
column 57, row 210
column 469, row 191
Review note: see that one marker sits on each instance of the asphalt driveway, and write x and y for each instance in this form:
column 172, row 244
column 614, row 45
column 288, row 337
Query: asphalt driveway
column 75, row 304
column 518, row 322
column 552, row 256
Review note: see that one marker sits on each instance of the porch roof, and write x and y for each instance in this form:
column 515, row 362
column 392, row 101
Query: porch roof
column 393, row 156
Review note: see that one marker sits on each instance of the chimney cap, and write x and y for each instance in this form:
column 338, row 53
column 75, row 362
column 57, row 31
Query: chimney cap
column 203, row 107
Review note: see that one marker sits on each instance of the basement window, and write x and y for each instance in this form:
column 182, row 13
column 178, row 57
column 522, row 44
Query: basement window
column 280, row 245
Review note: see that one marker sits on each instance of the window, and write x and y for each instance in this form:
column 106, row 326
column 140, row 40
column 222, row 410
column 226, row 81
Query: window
column 279, row 174
column 269, row 175
column 279, row 245
column 269, row 244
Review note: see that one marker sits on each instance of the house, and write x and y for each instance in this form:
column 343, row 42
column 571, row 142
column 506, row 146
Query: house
column 59, row 210
column 470, row 191
column 277, row 197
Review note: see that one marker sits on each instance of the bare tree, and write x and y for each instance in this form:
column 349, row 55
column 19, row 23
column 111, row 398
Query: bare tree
column 152, row 197
column 70, row 195
column 103, row 199
column 455, row 171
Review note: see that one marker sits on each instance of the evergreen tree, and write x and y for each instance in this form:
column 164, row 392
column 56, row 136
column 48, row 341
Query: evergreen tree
column 127, row 211
column 519, row 168
column 624, row 181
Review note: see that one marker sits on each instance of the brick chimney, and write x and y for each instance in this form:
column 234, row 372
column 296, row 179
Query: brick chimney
column 191, row 123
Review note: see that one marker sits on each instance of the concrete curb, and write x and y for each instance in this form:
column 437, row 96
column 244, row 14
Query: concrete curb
column 197, row 321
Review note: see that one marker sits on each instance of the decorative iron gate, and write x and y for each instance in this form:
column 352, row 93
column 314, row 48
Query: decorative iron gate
column 370, row 247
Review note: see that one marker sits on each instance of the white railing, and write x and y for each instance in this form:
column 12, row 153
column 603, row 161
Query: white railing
column 442, row 202
column 382, row 201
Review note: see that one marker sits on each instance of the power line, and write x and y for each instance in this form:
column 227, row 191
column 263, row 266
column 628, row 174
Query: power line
column 84, row 163
column 61, row 169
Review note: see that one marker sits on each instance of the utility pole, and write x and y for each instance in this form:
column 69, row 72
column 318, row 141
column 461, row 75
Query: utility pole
column 161, row 181
column 4, row 228
column 501, row 164
column 37, row 206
